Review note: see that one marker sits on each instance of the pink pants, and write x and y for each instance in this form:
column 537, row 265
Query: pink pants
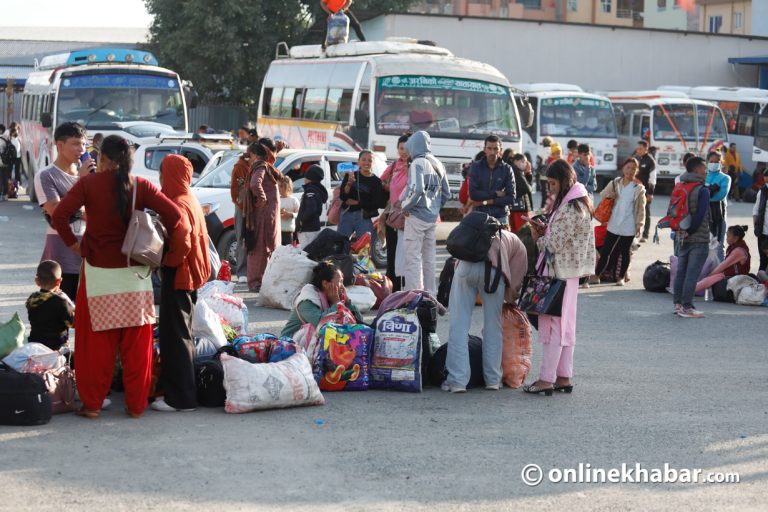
column 709, row 281
column 558, row 336
column 557, row 361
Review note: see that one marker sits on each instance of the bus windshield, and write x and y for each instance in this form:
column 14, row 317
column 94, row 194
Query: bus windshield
column 711, row 124
column 444, row 107
column 98, row 100
column 577, row 117
column 673, row 122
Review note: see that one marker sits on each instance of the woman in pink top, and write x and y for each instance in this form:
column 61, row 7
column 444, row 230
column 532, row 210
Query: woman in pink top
column 737, row 259
column 395, row 178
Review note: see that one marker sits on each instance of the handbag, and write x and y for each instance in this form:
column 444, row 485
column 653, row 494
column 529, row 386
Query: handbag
column 145, row 238
column 396, row 217
column 604, row 210
column 542, row 295
column 61, row 388
column 334, row 210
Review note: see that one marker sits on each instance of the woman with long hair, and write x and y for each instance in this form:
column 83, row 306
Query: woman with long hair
column 626, row 222
column 523, row 204
column 395, row 179
column 362, row 194
column 737, row 259
column 261, row 210
column 115, row 307
column 568, row 242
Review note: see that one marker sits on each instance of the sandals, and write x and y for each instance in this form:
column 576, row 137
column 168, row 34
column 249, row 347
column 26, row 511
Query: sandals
column 85, row 413
column 535, row 390
column 564, row 389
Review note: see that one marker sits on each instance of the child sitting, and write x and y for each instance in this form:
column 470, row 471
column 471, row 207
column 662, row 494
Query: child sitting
column 51, row 313
column 737, row 259
column 289, row 207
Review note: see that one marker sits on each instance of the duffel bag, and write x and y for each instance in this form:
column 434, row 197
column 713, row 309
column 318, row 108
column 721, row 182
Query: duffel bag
column 656, row 277
column 61, row 388
column 438, row 373
column 24, row 399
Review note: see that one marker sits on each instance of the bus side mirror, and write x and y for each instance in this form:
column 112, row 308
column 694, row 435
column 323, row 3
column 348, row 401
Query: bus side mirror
column 46, row 119
column 526, row 113
column 190, row 94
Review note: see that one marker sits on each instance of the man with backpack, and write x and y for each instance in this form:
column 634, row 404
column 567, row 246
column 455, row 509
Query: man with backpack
column 689, row 216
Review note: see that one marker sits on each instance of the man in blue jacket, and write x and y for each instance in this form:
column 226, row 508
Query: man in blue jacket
column 719, row 185
column 492, row 182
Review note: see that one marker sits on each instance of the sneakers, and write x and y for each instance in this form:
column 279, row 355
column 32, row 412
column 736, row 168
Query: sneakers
column 160, row 405
column 453, row 389
column 690, row 313
column 493, row 387
column 106, row 403
column 678, row 309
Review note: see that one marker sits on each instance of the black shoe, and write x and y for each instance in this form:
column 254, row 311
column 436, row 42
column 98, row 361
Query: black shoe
column 534, row 390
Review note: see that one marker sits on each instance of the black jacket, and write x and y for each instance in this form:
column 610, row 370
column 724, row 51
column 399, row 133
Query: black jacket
column 647, row 168
column 311, row 207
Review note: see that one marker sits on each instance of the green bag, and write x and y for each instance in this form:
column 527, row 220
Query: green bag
column 11, row 335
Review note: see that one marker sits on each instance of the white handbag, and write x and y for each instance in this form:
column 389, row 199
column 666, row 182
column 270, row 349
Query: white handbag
column 145, row 238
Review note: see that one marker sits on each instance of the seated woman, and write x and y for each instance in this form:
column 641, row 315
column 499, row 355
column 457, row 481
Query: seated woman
column 318, row 298
column 736, row 262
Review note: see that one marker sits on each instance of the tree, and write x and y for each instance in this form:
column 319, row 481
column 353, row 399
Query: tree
column 225, row 46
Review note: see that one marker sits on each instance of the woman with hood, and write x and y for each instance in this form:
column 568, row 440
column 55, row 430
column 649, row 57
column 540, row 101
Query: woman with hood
column 261, row 210
column 179, row 291
column 311, row 208
column 568, row 240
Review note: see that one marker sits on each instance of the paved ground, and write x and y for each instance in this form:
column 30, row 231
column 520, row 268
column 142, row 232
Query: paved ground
column 650, row 388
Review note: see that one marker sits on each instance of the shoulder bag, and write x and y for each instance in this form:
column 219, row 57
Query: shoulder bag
column 145, row 238
column 542, row 295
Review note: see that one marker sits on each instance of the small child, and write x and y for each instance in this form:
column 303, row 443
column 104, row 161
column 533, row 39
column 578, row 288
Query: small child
column 312, row 204
column 51, row 313
column 289, row 207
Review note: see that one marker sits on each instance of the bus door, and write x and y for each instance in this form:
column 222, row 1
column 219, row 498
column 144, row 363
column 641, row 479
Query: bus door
column 641, row 126
column 361, row 117
column 760, row 151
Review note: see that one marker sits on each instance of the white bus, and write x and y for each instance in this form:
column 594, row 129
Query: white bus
column 101, row 89
column 669, row 121
column 367, row 94
column 746, row 118
column 565, row 112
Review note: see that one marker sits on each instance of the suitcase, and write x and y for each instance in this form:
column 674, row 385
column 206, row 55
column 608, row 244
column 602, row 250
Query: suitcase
column 24, row 398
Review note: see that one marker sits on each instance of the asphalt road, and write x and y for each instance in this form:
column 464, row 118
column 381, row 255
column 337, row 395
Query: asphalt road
column 651, row 388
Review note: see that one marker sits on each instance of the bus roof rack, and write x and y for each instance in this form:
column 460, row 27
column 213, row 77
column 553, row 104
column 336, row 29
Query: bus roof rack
column 98, row 56
column 358, row 48
column 548, row 87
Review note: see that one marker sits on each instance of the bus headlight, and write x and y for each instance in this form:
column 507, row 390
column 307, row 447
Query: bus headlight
column 129, row 57
column 111, row 57
column 608, row 157
column 663, row 160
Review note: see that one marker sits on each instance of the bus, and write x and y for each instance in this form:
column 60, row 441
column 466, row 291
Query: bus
column 102, row 89
column 669, row 121
column 366, row 94
column 746, row 118
column 564, row 112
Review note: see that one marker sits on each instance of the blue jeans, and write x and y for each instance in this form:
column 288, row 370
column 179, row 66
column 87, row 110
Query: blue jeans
column 690, row 261
column 353, row 222
column 721, row 239
column 468, row 281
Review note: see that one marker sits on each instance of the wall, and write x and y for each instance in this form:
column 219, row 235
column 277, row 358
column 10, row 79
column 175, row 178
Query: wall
column 670, row 18
column 759, row 18
column 617, row 58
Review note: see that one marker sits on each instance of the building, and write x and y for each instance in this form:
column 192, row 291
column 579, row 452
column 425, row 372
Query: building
column 732, row 17
column 670, row 15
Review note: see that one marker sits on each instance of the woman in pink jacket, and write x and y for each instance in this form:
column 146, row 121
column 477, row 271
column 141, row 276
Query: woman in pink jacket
column 394, row 179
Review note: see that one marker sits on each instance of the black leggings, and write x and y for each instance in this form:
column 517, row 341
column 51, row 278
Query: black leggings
column 615, row 246
column 391, row 250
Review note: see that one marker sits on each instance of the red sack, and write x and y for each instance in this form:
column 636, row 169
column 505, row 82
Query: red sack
column 517, row 346
column 381, row 288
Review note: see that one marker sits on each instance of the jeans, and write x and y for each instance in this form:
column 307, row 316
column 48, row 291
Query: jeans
column 721, row 239
column 353, row 222
column 420, row 250
column 690, row 261
column 468, row 281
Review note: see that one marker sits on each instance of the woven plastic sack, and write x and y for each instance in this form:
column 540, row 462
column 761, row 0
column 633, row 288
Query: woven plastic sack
column 396, row 353
column 517, row 348
column 288, row 270
column 252, row 387
column 342, row 357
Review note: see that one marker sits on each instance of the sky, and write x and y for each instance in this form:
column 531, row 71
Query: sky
column 75, row 13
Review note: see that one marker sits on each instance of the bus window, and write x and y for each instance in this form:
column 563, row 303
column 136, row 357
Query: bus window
column 636, row 129
column 314, row 104
column 711, row 125
column 746, row 125
column 296, row 102
column 285, row 108
column 339, row 105
column 269, row 98
column 577, row 117
column 730, row 111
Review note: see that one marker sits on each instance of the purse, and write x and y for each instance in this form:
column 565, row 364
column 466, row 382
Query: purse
column 604, row 210
column 542, row 295
column 145, row 238
column 61, row 388
column 396, row 217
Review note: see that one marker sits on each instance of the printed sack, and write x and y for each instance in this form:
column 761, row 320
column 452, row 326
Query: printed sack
column 396, row 354
column 342, row 357
column 517, row 348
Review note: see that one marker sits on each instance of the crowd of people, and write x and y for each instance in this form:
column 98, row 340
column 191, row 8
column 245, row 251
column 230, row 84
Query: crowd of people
column 88, row 196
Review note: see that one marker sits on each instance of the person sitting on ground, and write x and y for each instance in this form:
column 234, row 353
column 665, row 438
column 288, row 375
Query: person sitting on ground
column 311, row 207
column 737, row 259
column 51, row 313
column 318, row 298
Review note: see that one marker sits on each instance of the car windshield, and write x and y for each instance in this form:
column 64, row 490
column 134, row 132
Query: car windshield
column 97, row 101
column 673, row 122
column 221, row 176
column 444, row 107
column 577, row 117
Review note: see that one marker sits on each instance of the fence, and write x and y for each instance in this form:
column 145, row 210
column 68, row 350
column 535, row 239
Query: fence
column 219, row 117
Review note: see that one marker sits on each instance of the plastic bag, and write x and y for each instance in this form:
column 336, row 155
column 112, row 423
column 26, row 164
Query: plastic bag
column 288, row 270
column 252, row 387
column 362, row 297
column 342, row 358
column 34, row 358
column 211, row 287
column 396, row 353
column 206, row 324
column 232, row 309
column 11, row 335
column 517, row 348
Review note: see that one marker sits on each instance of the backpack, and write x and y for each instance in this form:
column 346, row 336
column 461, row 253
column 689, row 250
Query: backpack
column 446, row 280
column 209, row 379
column 678, row 213
column 327, row 243
column 24, row 398
column 656, row 277
column 472, row 238
column 8, row 155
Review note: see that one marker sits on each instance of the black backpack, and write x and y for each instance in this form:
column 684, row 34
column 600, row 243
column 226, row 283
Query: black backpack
column 446, row 280
column 24, row 398
column 9, row 154
column 327, row 243
column 472, row 238
column 438, row 373
column 656, row 277
column 209, row 378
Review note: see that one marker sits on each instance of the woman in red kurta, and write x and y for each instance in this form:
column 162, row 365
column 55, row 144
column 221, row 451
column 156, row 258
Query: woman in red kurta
column 114, row 308
column 261, row 211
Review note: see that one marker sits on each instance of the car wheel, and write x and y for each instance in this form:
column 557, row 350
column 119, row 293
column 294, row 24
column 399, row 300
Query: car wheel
column 227, row 248
column 379, row 254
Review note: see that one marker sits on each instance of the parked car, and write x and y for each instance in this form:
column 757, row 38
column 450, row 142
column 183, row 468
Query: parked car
column 213, row 192
column 148, row 158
